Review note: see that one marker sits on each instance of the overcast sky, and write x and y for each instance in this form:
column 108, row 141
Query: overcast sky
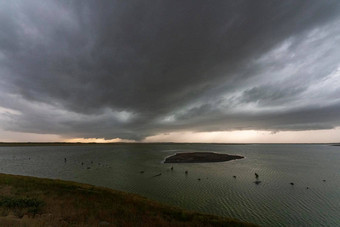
column 161, row 69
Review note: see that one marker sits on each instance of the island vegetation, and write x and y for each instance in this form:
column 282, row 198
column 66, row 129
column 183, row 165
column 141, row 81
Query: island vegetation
column 31, row 201
column 199, row 157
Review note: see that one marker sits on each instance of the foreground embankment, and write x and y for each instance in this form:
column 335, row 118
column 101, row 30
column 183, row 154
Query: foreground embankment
column 30, row 201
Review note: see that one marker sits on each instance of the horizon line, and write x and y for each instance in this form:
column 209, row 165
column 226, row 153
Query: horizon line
column 88, row 143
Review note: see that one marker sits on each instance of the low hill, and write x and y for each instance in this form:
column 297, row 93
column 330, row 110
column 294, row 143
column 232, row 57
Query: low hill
column 30, row 201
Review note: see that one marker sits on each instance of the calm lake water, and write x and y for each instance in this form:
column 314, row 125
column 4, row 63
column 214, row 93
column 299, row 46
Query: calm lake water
column 274, row 202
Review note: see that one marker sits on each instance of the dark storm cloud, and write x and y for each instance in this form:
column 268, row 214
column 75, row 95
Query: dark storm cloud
column 129, row 69
column 266, row 95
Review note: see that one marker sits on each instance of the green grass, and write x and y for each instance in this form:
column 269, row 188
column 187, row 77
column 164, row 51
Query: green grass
column 20, row 206
column 33, row 205
column 30, row 201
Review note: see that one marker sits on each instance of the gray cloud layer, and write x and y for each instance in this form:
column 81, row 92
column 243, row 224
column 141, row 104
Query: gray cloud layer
column 130, row 69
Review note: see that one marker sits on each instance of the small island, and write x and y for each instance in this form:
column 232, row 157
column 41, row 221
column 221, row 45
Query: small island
column 200, row 157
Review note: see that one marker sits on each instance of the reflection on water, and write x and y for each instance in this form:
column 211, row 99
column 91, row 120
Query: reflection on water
column 132, row 168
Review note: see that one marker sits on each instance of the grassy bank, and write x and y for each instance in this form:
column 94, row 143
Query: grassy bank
column 30, row 201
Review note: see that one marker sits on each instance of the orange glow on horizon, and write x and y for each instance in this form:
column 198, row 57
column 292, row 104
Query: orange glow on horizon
column 245, row 136
column 97, row 140
column 250, row 136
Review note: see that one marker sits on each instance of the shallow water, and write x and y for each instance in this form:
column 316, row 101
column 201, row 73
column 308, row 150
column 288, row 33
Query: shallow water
column 274, row 202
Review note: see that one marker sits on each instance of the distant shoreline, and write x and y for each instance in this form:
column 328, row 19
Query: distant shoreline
column 8, row 144
column 23, row 144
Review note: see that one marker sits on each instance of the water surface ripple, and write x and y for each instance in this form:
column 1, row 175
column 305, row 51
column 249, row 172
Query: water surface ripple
column 273, row 202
